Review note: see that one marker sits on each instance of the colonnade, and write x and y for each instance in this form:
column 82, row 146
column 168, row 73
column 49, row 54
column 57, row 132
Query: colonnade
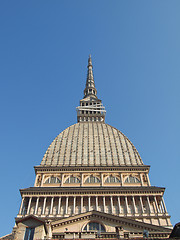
column 70, row 205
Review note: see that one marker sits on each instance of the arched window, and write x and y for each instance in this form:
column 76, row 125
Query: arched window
column 53, row 180
column 72, row 179
column 131, row 179
column 92, row 179
column 112, row 179
column 94, row 226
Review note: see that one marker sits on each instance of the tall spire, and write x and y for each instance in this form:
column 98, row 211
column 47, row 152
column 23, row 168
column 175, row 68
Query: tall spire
column 91, row 108
column 90, row 89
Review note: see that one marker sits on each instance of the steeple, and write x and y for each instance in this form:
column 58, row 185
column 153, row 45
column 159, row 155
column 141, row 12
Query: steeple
column 90, row 89
column 91, row 108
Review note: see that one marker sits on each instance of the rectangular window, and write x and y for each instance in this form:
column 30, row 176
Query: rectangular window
column 29, row 234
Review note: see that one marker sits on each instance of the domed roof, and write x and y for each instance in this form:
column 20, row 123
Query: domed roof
column 91, row 144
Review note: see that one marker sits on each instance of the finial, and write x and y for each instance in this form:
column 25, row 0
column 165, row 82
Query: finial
column 89, row 60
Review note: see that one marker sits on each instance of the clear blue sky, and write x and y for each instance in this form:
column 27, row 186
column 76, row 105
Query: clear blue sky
column 44, row 46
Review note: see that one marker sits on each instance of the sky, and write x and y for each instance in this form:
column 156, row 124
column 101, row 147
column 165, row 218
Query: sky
column 44, row 48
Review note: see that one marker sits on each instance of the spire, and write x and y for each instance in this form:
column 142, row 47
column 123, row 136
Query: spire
column 90, row 89
column 91, row 108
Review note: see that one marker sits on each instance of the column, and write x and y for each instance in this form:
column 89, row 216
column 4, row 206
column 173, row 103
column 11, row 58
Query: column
column 162, row 207
column 148, row 180
column 44, row 206
column 156, row 204
column 35, row 183
column 104, row 204
column 157, row 208
column 119, row 205
column 42, row 180
column 134, row 204
column 52, row 201
column 165, row 209
column 67, row 200
column 102, row 179
column 111, row 204
column 82, row 180
column 29, row 205
column 22, row 203
column 81, row 204
column 74, row 205
column 36, row 208
column 89, row 203
column 149, row 205
column 141, row 179
column 141, row 205
column 122, row 183
column 62, row 180
column 126, row 201
column 96, row 203
column 59, row 205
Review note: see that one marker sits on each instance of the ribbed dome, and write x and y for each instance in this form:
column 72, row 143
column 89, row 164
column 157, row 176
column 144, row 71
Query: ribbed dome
column 91, row 144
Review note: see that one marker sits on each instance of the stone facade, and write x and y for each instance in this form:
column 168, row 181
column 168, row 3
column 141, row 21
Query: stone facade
column 92, row 183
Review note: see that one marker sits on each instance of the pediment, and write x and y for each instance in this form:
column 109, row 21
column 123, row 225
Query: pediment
column 31, row 221
column 109, row 219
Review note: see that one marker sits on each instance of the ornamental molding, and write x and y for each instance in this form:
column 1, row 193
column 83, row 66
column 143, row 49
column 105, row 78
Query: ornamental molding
column 93, row 191
column 144, row 168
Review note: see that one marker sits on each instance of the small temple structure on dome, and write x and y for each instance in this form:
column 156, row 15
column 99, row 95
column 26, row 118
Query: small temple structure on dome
column 91, row 183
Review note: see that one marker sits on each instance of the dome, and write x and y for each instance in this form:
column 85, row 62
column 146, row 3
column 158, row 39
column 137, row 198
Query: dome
column 91, row 144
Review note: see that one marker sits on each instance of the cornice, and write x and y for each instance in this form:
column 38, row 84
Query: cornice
column 94, row 191
column 143, row 168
